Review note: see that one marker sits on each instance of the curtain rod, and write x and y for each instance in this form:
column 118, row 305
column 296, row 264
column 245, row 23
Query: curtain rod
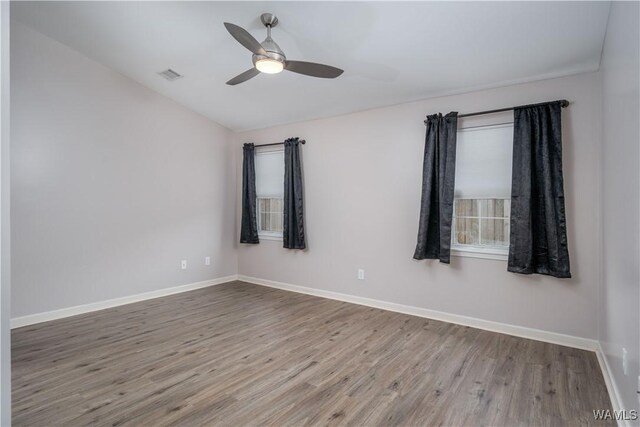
column 563, row 103
column 302, row 141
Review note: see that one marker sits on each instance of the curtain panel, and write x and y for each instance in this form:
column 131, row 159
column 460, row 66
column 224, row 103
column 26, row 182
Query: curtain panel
column 538, row 222
column 438, row 176
column 249, row 224
column 293, row 236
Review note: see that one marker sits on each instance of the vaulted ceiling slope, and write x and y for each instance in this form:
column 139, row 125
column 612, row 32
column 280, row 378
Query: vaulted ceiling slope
column 392, row 52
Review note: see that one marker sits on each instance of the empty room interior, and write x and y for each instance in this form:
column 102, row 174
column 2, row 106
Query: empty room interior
column 366, row 213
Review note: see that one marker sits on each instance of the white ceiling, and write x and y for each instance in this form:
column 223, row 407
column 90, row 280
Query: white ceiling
column 392, row 52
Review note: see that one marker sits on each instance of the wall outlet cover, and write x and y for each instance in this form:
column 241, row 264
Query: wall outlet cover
column 207, row 260
column 360, row 274
column 183, row 264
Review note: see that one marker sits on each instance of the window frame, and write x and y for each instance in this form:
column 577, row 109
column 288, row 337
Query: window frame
column 263, row 234
column 500, row 253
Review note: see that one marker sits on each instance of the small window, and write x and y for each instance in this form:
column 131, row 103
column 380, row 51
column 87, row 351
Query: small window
column 270, row 192
column 270, row 216
column 481, row 224
column 482, row 194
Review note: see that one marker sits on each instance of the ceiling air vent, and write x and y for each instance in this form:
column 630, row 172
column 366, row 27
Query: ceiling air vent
column 170, row 75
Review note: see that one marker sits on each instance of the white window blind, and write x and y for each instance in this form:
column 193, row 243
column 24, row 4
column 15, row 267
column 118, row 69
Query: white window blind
column 269, row 173
column 483, row 162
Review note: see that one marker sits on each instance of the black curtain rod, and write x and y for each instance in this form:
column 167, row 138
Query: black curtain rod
column 563, row 103
column 302, row 141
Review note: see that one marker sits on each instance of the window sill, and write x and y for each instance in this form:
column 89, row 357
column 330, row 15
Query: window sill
column 277, row 237
column 484, row 253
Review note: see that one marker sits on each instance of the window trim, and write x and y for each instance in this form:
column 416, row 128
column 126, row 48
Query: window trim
column 270, row 235
column 470, row 251
column 500, row 253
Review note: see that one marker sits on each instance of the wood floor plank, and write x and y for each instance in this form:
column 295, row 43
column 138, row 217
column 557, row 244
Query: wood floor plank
column 242, row 354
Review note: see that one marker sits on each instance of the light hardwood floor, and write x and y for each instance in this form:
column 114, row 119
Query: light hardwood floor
column 242, row 354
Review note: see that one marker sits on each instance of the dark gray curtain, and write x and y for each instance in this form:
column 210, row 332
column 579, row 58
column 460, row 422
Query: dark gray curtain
column 438, row 175
column 293, row 225
column 249, row 225
column 538, row 223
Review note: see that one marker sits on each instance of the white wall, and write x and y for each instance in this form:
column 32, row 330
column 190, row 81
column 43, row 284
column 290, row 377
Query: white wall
column 112, row 184
column 619, row 324
column 5, row 258
column 362, row 176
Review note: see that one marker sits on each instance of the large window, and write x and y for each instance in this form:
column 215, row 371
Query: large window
column 270, row 191
column 482, row 205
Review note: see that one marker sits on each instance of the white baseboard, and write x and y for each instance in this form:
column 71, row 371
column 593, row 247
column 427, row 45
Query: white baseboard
column 609, row 380
column 519, row 331
column 31, row 319
column 503, row 328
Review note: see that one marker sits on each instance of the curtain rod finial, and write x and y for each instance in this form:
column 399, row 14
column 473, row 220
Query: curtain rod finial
column 564, row 103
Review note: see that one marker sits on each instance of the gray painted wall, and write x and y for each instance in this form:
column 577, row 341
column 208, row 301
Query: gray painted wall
column 5, row 252
column 619, row 307
column 112, row 184
column 362, row 192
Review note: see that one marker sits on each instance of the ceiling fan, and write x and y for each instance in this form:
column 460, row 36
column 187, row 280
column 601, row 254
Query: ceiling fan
column 269, row 58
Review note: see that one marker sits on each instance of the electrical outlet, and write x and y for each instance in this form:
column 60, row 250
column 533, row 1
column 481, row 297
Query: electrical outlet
column 360, row 274
column 625, row 361
column 207, row 260
column 183, row 264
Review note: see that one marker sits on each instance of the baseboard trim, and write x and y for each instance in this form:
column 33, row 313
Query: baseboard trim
column 518, row 331
column 503, row 328
column 32, row 319
column 610, row 382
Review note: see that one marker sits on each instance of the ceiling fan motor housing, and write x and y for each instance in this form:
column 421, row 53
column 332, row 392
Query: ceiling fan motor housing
column 273, row 51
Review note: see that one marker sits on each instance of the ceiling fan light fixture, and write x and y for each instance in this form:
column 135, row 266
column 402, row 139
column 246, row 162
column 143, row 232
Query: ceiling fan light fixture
column 268, row 58
column 269, row 66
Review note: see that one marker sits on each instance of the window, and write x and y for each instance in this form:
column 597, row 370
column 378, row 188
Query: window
column 481, row 224
column 270, row 191
column 482, row 201
column 270, row 216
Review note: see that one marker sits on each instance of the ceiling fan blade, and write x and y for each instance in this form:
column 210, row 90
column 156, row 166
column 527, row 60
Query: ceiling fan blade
column 250, row 73
column 245, row 39
column 313, row 69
